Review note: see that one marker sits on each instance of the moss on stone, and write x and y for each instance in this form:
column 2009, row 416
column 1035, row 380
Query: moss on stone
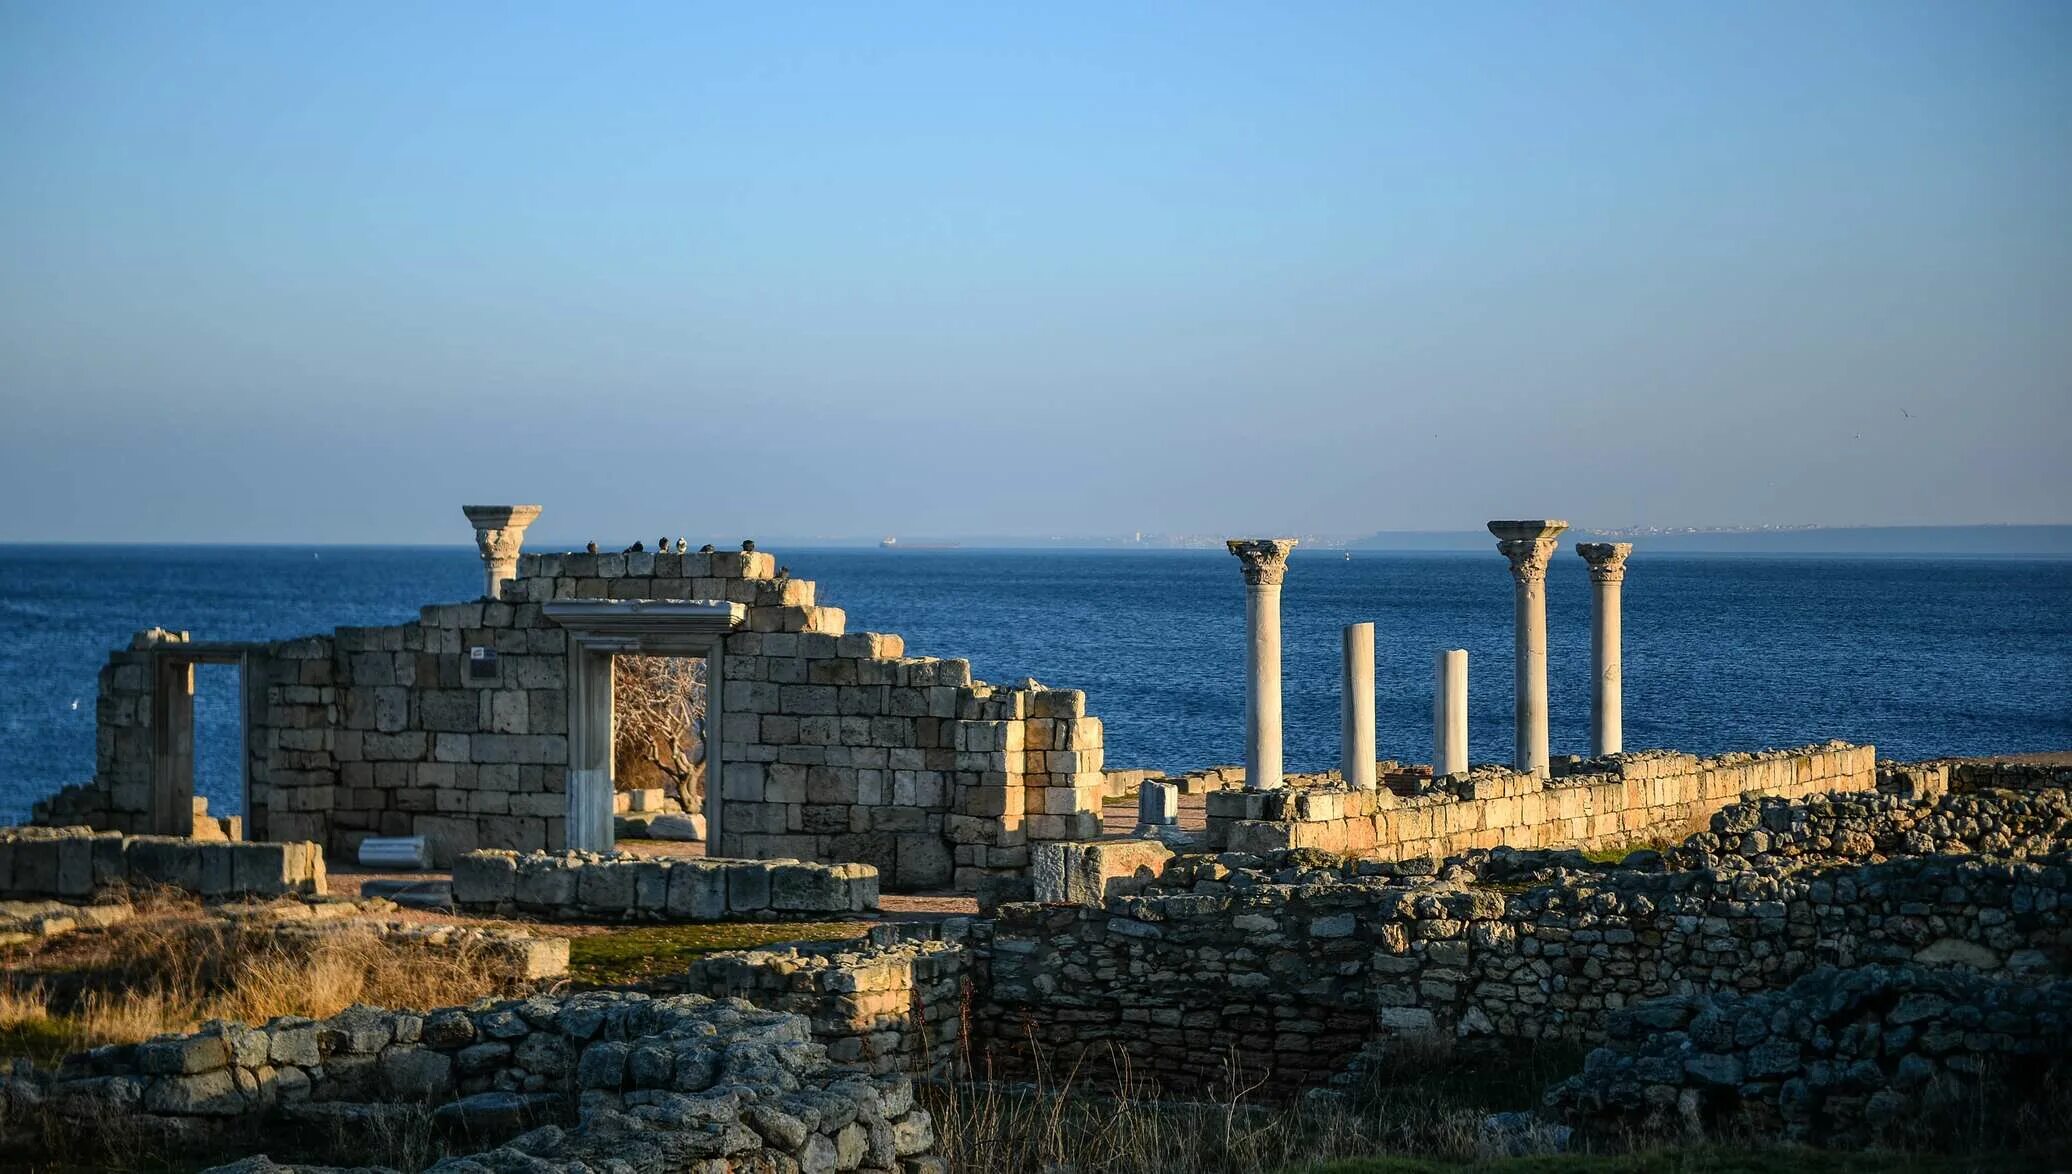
column 645, row 952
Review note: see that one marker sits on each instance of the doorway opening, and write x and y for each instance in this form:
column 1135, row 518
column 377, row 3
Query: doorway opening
column 219, row 737
column 603, row 634
column 660, row 764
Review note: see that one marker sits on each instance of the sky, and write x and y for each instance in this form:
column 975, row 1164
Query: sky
column 302, row 273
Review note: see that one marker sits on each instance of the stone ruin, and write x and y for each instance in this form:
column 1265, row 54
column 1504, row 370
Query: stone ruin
column 488, row 725
column 1836, row 968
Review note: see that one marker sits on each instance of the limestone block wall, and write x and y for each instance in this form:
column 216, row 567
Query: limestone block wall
column 834, row 746
column 688, row 1077
column 879, row 1008
column 589, row 886
column 79, row 864
column 1616, row 802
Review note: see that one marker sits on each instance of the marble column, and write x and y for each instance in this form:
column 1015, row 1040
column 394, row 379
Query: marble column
column 1529, row 545
column 1450, row 713
column 1266, row 564
column 1607, row 572
column 499, row 531
column 1356, row 707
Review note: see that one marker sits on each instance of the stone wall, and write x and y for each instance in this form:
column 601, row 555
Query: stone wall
column 79, row 864
column 655, row 1083
column 879, row 1007
column 1613, row 802
column 590, row 886
column 1286, row 964
column 834, row 746
column 1851, row 1058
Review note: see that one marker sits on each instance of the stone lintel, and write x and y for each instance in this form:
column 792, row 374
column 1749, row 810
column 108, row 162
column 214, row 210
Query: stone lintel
column 601, row 621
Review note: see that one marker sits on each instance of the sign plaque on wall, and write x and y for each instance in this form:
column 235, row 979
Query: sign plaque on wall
column 481, row 663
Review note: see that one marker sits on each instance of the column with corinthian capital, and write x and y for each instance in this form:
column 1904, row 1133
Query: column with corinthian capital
column 499, row 532
column 1529, row 545
column 1265, row 562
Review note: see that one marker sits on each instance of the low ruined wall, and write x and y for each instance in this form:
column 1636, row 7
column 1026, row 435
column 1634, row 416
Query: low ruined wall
column 688, row 1076
column 1286, row 964
column 1616, row 802
column 589, row 886
column 880, row 1008
column 1849, row 1058
column 76, row 864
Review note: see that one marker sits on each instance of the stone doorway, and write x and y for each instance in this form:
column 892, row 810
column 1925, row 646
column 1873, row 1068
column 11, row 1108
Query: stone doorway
column 599, row 632
column 171, row 808
column 660, row 769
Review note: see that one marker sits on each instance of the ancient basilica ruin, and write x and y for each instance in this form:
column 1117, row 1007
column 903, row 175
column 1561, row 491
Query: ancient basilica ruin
column 1295, row 926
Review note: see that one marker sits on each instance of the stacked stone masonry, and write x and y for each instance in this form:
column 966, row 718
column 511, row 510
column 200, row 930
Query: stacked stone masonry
column 613, row 1081
column 834, row 746
column 588, row 886
column 79, row 864
column 1607, row 803
column 879, row 1008
column 1853, row 1058
column 1287, row 963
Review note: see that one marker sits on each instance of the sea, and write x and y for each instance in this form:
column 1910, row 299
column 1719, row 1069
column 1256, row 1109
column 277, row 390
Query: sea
column 1921, row 657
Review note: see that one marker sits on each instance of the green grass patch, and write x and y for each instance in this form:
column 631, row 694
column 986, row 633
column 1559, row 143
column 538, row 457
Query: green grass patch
column 651, row 951
column 1701, row 1160
column 42, row 1041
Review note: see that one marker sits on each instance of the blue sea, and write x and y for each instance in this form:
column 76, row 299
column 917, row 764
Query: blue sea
column 1728, row 652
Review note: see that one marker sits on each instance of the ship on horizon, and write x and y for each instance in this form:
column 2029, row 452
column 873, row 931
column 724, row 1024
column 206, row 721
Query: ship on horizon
column 891, row 542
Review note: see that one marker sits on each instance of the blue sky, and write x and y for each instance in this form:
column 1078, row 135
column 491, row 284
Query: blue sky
column 291, row 272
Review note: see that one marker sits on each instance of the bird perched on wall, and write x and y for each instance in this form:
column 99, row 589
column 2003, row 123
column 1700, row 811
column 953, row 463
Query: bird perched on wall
column 748, row 546
column 705, row 549
column 636, row 548
column 592, row 548
column 783, row 573
column 662, row 544
column 681, row 545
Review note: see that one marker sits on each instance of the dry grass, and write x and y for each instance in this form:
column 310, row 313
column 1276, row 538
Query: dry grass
column 1428, row 1102
column 172, row 969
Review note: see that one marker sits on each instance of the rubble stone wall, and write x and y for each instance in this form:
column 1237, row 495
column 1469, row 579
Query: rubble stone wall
column 1849, row 1058
column 1614, row 802
column 834, row 746
column 1288, row 963
column 589, row 886
column 79, row 864
column 654, row 1083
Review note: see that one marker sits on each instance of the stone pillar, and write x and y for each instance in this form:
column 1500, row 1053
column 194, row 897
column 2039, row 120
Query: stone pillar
column 499, row 531
column 1266, row 564
column 1530, row 546
column 1158, row 804
column 1450, row 713
column 1356, row 707
column 1607, row 572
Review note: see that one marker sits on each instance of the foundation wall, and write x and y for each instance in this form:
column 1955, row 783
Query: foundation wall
column 585, row 886
column 1283, row 966
column 80, row 864
column 1624, row 801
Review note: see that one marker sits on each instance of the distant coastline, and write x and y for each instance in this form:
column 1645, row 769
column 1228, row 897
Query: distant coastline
column 1993, row 541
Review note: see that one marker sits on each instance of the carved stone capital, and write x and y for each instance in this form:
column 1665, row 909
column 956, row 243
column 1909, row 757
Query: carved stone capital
column 500, row 529
column 1607, row 560
column 1529, row 545
column 1265, row 560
